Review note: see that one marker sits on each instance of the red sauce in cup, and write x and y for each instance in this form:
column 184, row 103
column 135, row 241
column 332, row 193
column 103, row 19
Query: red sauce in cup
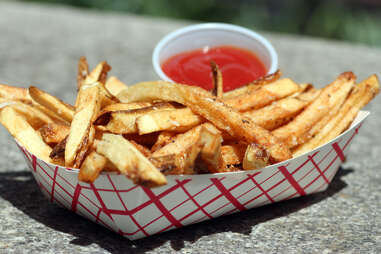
column 238, row 67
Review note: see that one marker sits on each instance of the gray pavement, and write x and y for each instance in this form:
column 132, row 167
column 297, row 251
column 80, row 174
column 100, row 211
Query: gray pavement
column 40, row 45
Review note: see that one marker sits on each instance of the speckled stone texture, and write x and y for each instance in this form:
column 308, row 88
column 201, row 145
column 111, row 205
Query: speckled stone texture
column 41, row 45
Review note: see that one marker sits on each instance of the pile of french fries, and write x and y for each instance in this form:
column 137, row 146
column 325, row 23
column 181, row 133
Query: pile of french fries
column 152, row 129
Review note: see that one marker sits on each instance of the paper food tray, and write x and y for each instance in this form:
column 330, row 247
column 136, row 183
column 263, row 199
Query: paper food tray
column 136, row 212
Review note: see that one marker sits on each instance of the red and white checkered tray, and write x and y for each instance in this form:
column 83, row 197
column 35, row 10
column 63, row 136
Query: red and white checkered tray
column 136, row 212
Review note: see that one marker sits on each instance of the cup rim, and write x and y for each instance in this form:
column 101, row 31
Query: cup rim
column 205, row 26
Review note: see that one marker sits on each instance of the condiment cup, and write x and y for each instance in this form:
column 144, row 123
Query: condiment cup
column 210, row 35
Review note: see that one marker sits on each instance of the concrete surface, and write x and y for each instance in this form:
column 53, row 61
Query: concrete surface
column 40, row 45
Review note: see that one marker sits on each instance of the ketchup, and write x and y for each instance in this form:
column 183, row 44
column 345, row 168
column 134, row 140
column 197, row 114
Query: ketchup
column 238, row 67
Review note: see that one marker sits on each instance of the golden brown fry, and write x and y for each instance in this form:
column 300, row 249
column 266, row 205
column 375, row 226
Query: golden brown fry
column 53, row 133
column 92, row 167
column 144, row 150
column 232, row 156
column 106, row 97
column 122, row 106
column 282, row 111
column 98, row 74
column 305, row 87
column 91, row 97
column 35, row 117
column 97, row 77
column 83, row 71
column 172, row 120
column 294, row 133
column 270, row 78
column 179, row 156
column 88, row 105
column 114, row 85
column 54, row 104
column 130, row 161
column 124, row 121
column 212, row 109
column 105, row 115
column 164, row 138
column 255, row 157
column 217, row 80
column 210, row 141
column 361, row 95
column 56, row 118
column 264, row 95
column 84, row 148
column 12, row 93
column 321, row 123
column 58, row 152
column 18, row 126
column 308, row 94
column 229, row 158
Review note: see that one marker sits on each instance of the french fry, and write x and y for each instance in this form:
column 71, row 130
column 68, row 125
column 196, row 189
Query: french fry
column 264, row 95
column 361, row 95
column 83, row 71
column 53, row 133
column 87, row 109
column 304, row 87
column 232, row 156
column 124, row 121
column 321, row 123
column 255, row 158
column 163, row 139
column 35, row 117
column 212, row 109
column 58, row 152
column 130, row 161
column 171, row 120
column 124, row 106
column 270, row 78
column 217, row 80
column 269, row 117
column 92, row 95
column 98, row 74
column 114, row 85
column 54, row 104
column 104, row 115
column 97, row 77
column 56, row 118
column 6, row 102
column 179, row 156
column 84, row 147
column 91, row 167
column 282, row 111
column 210, row 140
column 106, row 97
column 228, row 158
column 144, row 150
column 12, row 93
column 19, row 128
column 294, row 133
column 309, row 93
